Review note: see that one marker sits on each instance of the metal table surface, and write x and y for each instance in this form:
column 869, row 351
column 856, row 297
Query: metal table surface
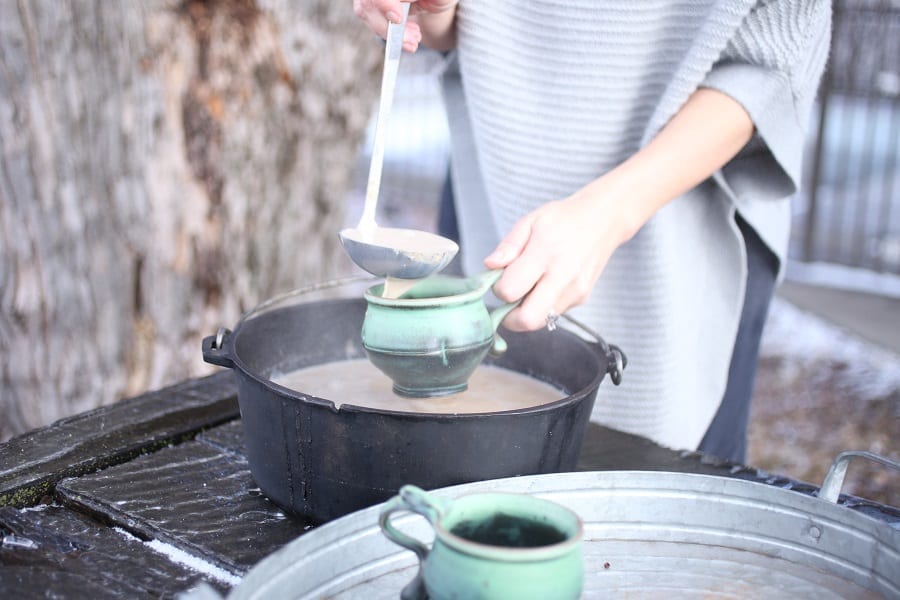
column 148, row 496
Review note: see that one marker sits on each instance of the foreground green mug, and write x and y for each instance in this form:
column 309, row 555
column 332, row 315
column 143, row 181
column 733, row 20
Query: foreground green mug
column 491, row 546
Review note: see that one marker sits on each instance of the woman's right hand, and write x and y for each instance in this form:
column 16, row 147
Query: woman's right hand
column 430, row 21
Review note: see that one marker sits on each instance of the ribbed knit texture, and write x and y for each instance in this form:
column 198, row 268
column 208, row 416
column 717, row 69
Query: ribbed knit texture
column 552, row 94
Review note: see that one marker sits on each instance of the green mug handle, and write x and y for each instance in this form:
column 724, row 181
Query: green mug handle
column 485, row 281
column 412, row 499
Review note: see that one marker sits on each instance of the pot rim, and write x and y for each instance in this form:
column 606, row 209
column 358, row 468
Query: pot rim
column 599, row 349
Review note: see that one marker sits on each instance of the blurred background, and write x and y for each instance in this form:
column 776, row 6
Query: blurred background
column 166, row 165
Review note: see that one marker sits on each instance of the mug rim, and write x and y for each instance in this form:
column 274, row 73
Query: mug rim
column 509, row 553
column 475, row 293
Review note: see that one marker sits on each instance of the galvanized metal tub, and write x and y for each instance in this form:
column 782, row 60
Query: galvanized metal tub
column 652, row 534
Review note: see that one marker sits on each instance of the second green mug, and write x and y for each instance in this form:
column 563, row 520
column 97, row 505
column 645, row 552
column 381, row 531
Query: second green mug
column 491, row 546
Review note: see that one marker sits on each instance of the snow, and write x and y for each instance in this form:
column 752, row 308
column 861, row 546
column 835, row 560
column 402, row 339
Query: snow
column 794, row 334
column 195, row 563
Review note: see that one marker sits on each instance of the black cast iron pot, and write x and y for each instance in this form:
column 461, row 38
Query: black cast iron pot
column 321, row 462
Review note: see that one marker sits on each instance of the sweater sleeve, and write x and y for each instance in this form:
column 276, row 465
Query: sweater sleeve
column 772, row 66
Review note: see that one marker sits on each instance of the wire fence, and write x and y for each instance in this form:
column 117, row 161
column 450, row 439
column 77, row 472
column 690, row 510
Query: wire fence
column 848, row 212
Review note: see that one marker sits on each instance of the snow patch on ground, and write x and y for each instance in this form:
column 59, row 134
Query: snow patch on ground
column 195, row 563
column 799, row 336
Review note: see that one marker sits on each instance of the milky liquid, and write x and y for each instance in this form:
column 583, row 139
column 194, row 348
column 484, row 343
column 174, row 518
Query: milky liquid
column 359, row 383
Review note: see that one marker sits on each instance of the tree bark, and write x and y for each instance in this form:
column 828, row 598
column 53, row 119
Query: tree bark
column 163, row 167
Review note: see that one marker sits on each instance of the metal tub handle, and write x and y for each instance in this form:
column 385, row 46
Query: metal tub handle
column 834, row 480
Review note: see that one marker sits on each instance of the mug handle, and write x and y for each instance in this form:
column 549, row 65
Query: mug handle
column 486, row 280
column 410, row 499
column 498, row 348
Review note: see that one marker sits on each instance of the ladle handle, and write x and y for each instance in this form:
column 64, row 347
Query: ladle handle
column 392, row 51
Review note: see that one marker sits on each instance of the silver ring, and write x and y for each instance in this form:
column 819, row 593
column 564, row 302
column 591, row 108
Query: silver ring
column 552, row 318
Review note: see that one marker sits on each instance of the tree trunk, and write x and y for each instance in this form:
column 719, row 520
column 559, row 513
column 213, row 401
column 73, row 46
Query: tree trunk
column 163, row 167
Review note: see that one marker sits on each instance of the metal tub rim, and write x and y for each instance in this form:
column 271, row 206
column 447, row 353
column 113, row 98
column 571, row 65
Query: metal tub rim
column 817, row 545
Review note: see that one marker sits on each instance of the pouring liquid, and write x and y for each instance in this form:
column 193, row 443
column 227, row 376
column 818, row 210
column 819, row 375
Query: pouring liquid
column 358, row 382
column 408, row 245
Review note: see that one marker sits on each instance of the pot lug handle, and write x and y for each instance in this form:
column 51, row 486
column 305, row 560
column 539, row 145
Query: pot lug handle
column 616, row 360
column 214, row 351
column 834, row 480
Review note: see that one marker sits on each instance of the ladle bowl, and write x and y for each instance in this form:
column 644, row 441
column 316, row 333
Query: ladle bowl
column 431, row 340
column 398, row 253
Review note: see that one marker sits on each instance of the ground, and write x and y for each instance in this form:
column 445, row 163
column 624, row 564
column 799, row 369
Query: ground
column 820, row 391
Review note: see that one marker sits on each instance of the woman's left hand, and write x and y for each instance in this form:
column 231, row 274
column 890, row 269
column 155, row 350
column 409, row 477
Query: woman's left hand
column 554, row 255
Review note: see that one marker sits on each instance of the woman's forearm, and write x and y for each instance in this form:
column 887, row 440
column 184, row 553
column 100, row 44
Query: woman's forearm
column 708, row 131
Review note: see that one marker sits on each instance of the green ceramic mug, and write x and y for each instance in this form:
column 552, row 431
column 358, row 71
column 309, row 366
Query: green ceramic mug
column 491, row 546
column 430, row 340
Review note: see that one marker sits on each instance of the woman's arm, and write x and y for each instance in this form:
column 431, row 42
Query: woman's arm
column 554, row 258
column 431, row 22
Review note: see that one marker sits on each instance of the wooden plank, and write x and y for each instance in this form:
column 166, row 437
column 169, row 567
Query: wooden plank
column 52, row 552
column 31, row 464
column 228, row 437
column 195, row 497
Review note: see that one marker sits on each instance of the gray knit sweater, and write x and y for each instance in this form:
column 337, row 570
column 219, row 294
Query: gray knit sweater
column 545, row 96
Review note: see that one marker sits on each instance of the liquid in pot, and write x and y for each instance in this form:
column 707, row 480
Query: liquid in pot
column 358, row 382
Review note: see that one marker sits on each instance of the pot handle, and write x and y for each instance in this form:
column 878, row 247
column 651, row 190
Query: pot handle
column 214, row 351
column 834, row 480
column 616, row 360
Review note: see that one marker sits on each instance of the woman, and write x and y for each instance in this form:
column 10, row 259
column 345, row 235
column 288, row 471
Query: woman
column 632, row 162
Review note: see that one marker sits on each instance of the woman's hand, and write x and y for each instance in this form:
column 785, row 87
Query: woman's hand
column 556, row 253
column 430, row 21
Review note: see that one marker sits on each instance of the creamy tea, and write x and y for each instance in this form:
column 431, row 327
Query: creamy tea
column 358, row 382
